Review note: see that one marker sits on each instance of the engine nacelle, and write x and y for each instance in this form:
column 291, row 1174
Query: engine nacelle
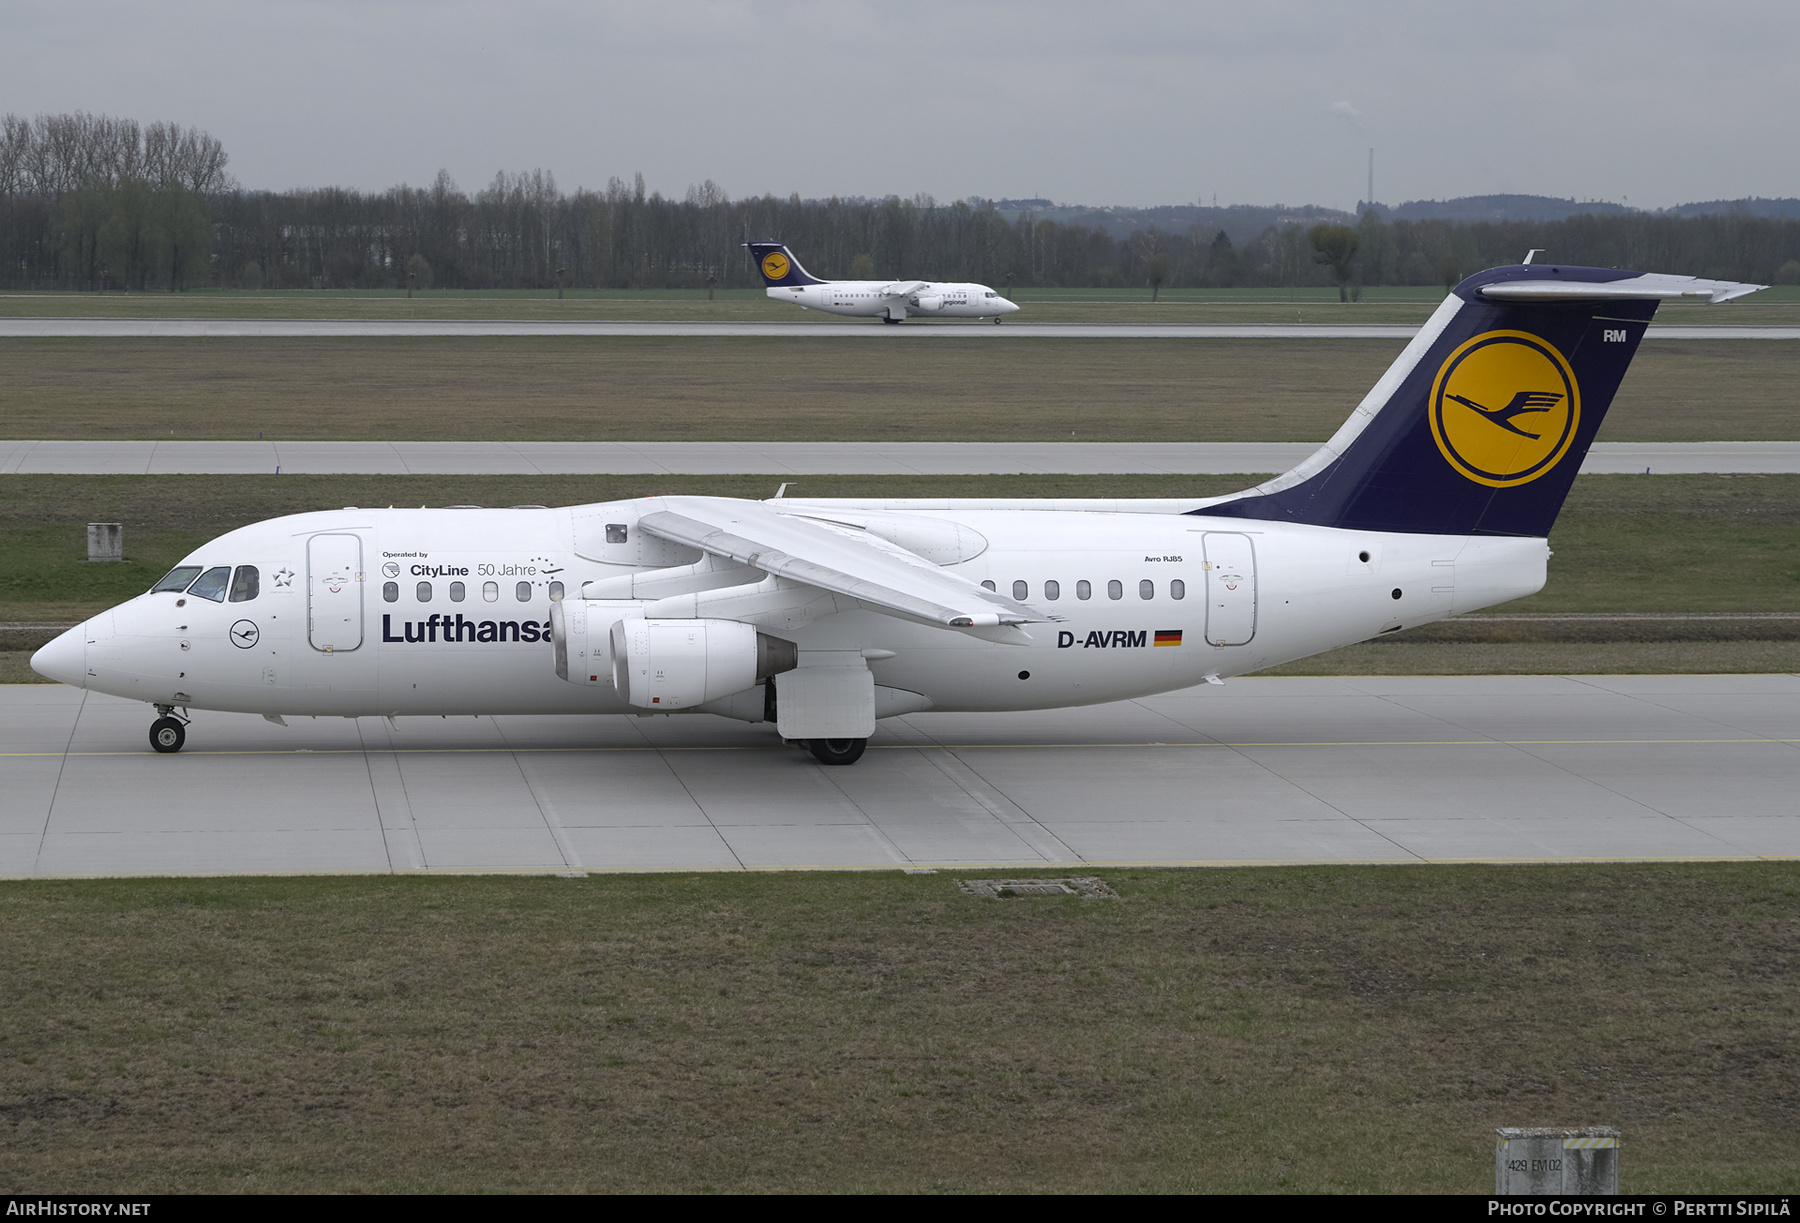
column 929, row 302
column 580, row 631
column 677, row 664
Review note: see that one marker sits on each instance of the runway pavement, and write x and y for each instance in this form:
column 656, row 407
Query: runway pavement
column 88, row 328
column 785, row 458
column 1392, row 770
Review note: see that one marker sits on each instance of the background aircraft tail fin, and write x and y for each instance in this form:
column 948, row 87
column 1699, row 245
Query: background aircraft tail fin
column 1481, row 424
column 778, row 266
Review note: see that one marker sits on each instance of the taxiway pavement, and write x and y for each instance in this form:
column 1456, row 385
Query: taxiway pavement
column 1393, row 770
column 194, row 328
column 786, row 458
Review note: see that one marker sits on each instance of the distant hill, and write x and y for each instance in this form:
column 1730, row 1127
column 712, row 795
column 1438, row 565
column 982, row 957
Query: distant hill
column 1494, row 208
column 1756, row 207
column 1242, row 223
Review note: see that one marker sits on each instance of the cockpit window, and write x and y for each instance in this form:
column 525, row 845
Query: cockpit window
column 211, row 584
column 178, row 578
column 245, row 584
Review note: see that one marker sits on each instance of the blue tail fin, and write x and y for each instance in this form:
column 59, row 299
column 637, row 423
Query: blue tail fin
column 778, row 266
column 1482, row 423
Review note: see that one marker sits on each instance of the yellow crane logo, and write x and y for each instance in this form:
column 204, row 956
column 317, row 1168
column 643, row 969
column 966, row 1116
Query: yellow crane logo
column 1504, row 408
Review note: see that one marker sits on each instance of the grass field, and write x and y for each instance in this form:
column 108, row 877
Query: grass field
column 1335, row 1029
column 1384, row 304
column 1662, row 544
column 648, row 389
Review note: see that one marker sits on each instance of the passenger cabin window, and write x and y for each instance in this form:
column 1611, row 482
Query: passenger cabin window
column 1084, row 589
column 523, row 591
column 1177, row 589
column 556, row 592
column 490, row 591
column 390, row 592
column 1146, row 589
column 179, row 578
column 1053, row 590
column 211, row 584
column 456, row 592
column 246, row 583
column 424, row 592
column 1021, row 590
column 1115, row 589
column 989, row 585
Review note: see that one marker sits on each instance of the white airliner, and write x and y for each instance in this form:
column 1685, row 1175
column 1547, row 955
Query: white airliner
column 1435, row 497
column 889, row 300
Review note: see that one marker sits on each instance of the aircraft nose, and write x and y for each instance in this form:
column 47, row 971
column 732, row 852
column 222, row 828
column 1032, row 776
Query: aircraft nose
column 1012, row 307
column 64, row 659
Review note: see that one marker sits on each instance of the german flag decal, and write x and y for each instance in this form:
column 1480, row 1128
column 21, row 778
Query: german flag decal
column 1168, row 636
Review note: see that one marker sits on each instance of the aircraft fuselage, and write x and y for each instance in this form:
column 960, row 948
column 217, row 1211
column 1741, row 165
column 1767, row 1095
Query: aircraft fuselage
column 866, row 299
column 448, row 611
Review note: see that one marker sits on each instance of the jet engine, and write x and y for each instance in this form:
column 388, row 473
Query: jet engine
column 929, row 302
column 677, row 664
column 580, row 635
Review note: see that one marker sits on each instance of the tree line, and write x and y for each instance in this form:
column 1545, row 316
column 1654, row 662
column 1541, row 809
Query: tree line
column 91, row 202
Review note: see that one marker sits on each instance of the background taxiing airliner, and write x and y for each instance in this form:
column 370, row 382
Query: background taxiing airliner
column 889, row 300
column 1435, row 497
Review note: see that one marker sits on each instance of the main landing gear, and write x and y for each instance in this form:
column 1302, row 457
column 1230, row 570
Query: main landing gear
column 168, row 732
column 837, row 751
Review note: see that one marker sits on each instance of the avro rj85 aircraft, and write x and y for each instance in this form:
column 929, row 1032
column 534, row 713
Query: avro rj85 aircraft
column 1435, row 497
column 889, row 300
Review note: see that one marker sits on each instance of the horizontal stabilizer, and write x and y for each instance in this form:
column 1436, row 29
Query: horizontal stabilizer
column 1650, row 287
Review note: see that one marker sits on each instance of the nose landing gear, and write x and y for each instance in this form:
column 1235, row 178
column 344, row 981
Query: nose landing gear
column 168, row 732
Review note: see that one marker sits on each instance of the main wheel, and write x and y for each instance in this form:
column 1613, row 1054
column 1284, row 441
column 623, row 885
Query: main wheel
column 837, row 751
column 167, row 735
column 886, row 319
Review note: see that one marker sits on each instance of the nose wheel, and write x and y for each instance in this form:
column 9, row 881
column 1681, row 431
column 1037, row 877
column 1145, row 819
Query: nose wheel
column 167, row 733
column 837, row 751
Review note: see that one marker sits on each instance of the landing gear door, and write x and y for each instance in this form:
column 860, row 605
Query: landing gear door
column 334, row 592
column 1230, row 588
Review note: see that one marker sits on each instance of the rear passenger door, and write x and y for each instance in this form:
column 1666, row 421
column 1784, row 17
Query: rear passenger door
column 1230, row 588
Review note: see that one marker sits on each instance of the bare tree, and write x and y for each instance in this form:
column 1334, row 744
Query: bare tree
column 1336, row 245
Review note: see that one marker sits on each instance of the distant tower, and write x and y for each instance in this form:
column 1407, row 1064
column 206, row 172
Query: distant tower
column 1371, row 195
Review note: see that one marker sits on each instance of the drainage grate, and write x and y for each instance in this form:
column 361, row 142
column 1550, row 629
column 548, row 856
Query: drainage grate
column 1085, row 886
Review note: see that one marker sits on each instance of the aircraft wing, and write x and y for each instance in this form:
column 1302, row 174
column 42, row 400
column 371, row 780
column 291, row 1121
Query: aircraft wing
column 903, row 288
column 842, row 560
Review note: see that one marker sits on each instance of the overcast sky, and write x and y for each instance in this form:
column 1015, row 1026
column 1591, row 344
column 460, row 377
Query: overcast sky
column 1648, row 101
